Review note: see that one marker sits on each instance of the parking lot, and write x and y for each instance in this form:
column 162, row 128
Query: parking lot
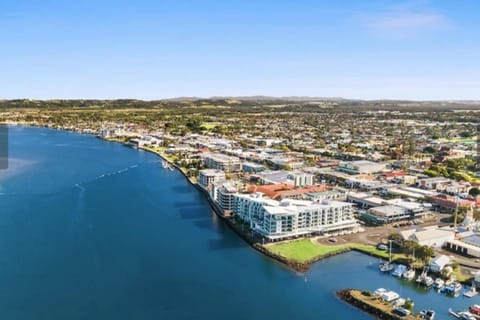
column 374, row 235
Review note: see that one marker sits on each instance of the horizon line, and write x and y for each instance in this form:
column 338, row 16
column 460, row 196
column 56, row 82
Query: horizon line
column 293, row 97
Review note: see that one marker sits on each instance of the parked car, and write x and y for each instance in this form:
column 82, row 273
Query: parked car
column 382, row 247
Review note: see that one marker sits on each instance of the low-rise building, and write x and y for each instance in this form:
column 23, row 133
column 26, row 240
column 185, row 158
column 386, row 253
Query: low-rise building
column 297, row 178
column 336, row 194
column 282, row 191
column 467, row 246
column 439, row 263
column 429, row 236
column 410, row 192
column 251, row 167
column 386, row 214
column 223, row 162
column 361, row 167
column 448, row 203
column 365, row 200
column 435, row 183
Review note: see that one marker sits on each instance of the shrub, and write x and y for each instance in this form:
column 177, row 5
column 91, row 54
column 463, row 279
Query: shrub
column 367, row 293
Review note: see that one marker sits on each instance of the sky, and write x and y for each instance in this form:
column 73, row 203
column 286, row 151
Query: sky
column 145, row 49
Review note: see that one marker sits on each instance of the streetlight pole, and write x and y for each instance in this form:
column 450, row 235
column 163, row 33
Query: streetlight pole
column 455, row 218
column 390, row 251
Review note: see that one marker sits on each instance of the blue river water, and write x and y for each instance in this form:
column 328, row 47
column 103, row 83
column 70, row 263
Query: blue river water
column 95, row 230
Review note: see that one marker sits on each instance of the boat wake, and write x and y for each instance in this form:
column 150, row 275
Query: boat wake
column 105, row 175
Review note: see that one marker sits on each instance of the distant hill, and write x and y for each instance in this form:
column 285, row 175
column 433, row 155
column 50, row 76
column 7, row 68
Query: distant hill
column 293, row 103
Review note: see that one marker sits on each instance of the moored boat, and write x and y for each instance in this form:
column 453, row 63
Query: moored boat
column 438, row 284
column 465, row 315
column 399, row 270
column 453, row 288
column 402, row 311
column 427, row 281
column 422, row 276
column 472, row 292
column 475, row 309
column 409, row 274
column 379, row 291
column 387, row 267
column 427, row 314
column 450, row 281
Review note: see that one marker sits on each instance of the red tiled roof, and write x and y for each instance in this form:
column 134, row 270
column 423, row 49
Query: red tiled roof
column 280, row 190
column 392, row 174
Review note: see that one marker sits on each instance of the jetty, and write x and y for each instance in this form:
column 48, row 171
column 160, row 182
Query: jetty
column 373, row 305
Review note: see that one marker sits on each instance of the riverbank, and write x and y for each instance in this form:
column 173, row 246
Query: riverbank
column 297, row 255
column 294, row 258
column 365, row 301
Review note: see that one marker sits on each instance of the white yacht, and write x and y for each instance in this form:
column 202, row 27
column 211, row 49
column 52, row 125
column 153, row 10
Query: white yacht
column 438, row 284
column 427, row 281
column 387, row 267
column 409, row 274
column 399, row 270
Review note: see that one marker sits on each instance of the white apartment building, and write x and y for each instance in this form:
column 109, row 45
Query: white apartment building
column 302, row 179
column 223, row 162
column 207, row 177
column 297, row 178
column 223, row 193
column 290, row 218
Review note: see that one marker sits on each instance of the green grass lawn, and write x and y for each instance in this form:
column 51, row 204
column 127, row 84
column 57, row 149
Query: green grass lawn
column 463, row 140
column 471, row 175
column 371, row 250
column 210, row 125
column 305, row 250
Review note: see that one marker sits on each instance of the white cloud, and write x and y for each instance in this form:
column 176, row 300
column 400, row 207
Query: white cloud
column 408, row 19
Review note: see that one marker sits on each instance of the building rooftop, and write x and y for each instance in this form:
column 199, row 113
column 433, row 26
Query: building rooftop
column 211, row 172
column 282, row 190
column 428, row 234
column 388, row 211
column 473, row 240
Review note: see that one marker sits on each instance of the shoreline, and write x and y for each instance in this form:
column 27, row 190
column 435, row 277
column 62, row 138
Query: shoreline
column 230, row 222
column 292, row 264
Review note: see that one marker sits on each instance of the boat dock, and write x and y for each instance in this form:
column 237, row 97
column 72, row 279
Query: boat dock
column 470, row 293
column 453, row 313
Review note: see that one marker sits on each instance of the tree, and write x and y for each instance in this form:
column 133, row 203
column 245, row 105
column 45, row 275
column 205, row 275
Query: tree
column 411, row 146
column 408, row 247
column 408, row 305
column 429, row 149
column 474, row 192
column 432, row 173
column 424, row 253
